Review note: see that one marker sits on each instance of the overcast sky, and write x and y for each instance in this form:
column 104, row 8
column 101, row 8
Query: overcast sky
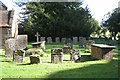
column 98, row 8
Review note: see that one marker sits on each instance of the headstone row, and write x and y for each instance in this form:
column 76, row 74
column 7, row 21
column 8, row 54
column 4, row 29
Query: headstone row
column 75, row 40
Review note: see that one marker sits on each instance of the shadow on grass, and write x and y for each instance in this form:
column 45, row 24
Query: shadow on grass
column 85, row 58
column 23, row 64
column 2, row 55
column 102, row 70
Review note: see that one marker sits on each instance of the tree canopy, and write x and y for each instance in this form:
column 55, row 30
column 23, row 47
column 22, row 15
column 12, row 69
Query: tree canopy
column 57, row 19
column 113, row 22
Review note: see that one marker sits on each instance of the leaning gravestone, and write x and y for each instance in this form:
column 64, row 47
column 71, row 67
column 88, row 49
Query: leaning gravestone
column 57, row 39
column 11, row 45
column 57, row 55
column 19, row 56
column 22, row 41
column 49, row 39
column 75, row 40
column 75, row 55
column 82, row 41
column 63, row 40
column 42, row 38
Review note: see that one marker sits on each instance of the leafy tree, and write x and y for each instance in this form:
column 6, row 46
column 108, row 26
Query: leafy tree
column 57, row 20
column 113, row 22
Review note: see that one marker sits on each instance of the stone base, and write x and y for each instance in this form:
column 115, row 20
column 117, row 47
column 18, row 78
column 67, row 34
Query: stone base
column 56, row 58
column 18, row 58
column 35, row 59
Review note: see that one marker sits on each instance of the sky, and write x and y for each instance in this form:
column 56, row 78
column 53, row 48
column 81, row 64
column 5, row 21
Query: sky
column 98, row 8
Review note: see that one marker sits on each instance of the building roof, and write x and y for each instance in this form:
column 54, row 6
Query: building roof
column 3, row 4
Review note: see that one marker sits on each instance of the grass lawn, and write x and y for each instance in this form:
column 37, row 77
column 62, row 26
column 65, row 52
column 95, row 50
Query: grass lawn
column 87, row 68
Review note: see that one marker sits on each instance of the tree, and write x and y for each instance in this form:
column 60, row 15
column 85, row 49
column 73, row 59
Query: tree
column 113, row 22
column 58, row 20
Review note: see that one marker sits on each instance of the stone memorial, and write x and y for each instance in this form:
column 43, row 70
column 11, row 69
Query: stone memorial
column 82, row 41
column 37, row 35
column 19, row 56
column 75, row 40
column 69, row 43
column 88, row 44
column 22, row 41
column 63, row 40
column 49, row 39
column 75, row 55
column 57, row 55
column 35, row 59
column 57, row 40
column 102, row 51
column 11, row 45
column 66, row 49
column 39, row 44
column 42, row 39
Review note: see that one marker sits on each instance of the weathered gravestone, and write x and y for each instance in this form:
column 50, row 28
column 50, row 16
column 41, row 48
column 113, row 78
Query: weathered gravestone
column 19, row 56
column 22, row 41
column 42, row 39
column 34, row 59
column 66, row 49
column 57, row 55
column 75, row 55
column 88, row 44
column 49, row 39
column 11, row 45
column 69, row 43
column 63, row 40
column 82, row 41
column 57, row 39
column 75, row 40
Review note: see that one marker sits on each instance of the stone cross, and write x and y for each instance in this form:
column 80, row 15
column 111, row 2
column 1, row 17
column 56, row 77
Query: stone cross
column 37, row 35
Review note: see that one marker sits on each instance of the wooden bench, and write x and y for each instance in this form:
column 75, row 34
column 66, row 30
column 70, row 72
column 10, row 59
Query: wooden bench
column 102, row 51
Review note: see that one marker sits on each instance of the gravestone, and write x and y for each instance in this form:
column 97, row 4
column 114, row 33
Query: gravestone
column 82, row 41
column 49, row 39
column 22, row 41
column 57, row 40
column 69, row 43
column 63, row 40
column 42, row 38
column 75, row 40
column 34, row 59
column 19, row 56
column 66, row 49
column 11, row 45
column 37, row 35
column 57, row 55
column 88, row 44
column 75, row 55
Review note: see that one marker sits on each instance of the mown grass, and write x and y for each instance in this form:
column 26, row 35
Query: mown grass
column 87, row 68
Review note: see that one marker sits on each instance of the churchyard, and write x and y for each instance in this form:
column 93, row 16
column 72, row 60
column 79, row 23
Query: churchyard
column 49, row 65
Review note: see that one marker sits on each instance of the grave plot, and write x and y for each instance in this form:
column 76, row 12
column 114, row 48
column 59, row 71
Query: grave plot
column 102, row 51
